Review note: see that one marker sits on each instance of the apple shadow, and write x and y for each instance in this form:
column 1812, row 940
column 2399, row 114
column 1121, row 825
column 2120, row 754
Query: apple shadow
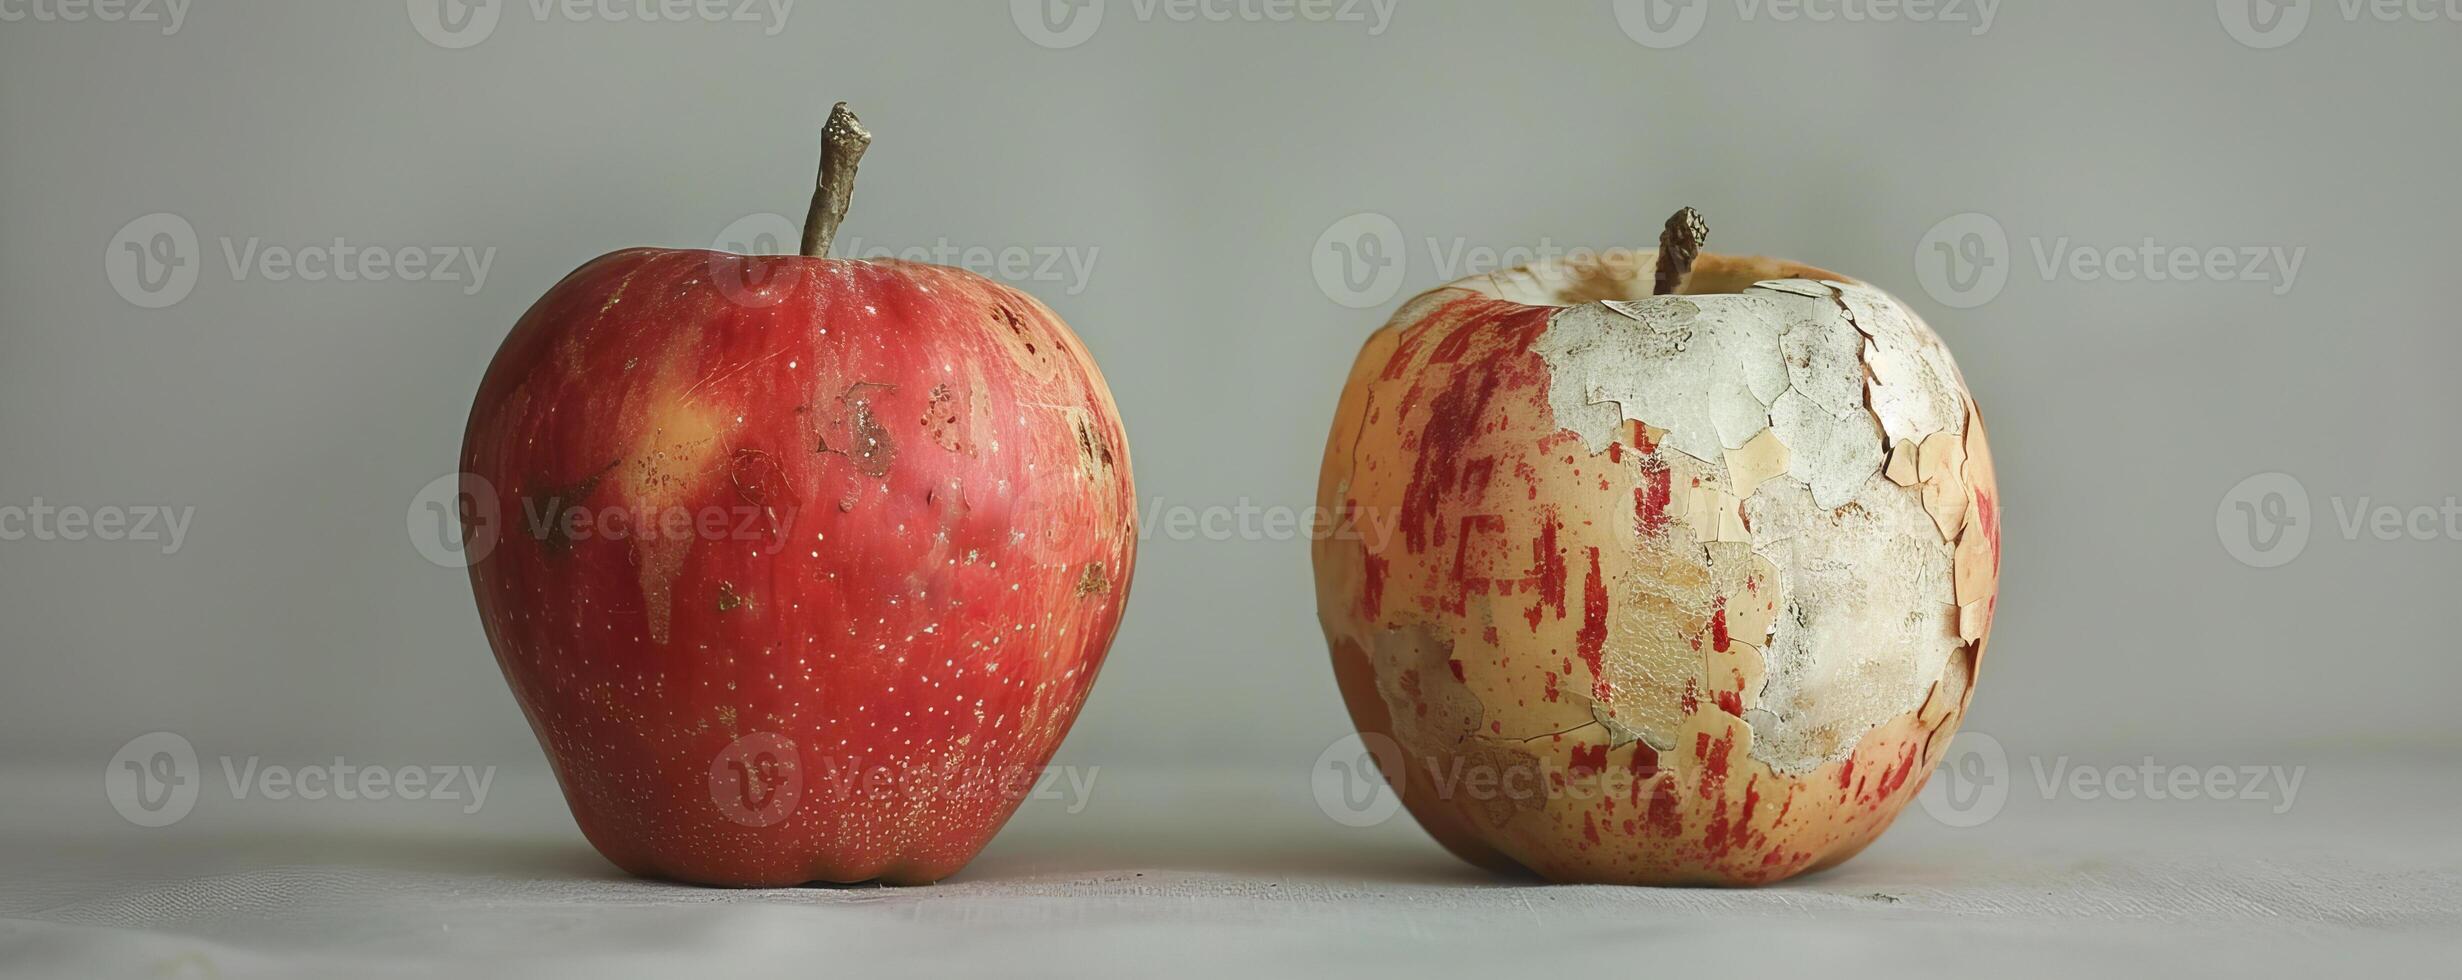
column 1199, row 847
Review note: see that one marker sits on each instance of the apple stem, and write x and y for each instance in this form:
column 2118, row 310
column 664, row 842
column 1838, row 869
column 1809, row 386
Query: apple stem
column 1678, row 246
column 843, row 141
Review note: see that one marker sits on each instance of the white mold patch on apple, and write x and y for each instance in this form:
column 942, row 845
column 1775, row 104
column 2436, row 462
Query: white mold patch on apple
column 1809, row 374
column 1703, row 368
column 1843, row 654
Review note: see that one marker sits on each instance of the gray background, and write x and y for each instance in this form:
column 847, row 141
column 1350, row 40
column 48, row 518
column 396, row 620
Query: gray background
column 1198, row 164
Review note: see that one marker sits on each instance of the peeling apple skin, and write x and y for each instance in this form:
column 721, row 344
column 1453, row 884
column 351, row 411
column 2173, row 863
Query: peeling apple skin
column 1675, row 590
column 924, row 539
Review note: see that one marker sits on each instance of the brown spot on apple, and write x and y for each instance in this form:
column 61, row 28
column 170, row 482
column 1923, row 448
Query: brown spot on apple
column 874, row 449
column 544, row 507
column 941, row 416
column 1094, row 450
column 864, row 439
column 1027, row 346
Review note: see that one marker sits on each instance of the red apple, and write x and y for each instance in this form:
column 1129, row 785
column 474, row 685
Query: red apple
column 806, row 563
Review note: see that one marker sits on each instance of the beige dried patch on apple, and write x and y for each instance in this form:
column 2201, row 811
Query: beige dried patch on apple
column 1947, row 698
column 1498, row 781
column 1499, row 707
column 1660, row 644
column 1941, row 473
column 679, row 446
column 1974, row 563
column 1652, row 656
column 1763, row 457
column 1662, row 588
column 1414, row 676
column 1978, row 544
column 1711, row 513
column 1751, row 614
column 1901, row 468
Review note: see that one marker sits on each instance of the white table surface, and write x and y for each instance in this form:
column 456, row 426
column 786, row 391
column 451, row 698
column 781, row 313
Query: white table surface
column 1236, row 873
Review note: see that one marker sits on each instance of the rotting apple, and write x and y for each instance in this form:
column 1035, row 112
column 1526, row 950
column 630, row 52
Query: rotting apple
column 808, row 562
column 1672, row 578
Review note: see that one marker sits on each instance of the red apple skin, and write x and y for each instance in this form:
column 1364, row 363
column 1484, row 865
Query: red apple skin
column 925, row 529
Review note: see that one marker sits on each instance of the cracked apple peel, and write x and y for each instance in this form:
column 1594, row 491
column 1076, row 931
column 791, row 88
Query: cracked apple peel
column 1657, row 589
